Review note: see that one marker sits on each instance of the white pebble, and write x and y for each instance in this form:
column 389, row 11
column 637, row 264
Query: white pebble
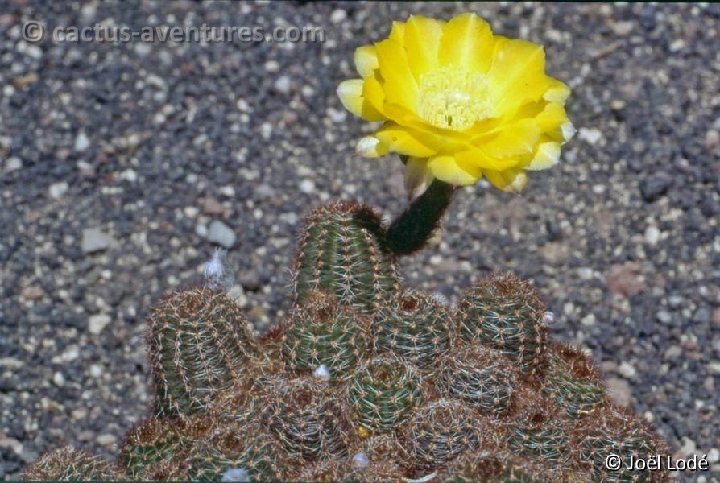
column 57, row 190
column 81, row 141
column 282, row 84
column 626, row 370
column 307, row 186
column 235, row 474
column 360, row 460
column 652, row 235
column 322, row 372
column 590, row 135
column 549, row 317
column 58, row 379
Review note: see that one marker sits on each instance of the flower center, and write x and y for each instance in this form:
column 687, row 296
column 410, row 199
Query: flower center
column 453, row 98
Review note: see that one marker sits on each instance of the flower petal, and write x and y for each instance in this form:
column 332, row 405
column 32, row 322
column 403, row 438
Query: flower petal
column 557, row 91
column 350, row 94
column 401, row 140
column 422, row 41
column 398, row 82
column 517, row 75
column 546, row 156
column 467, row 42
column 366, row 60
column 513, row 181
column 371, row 147
column 417, row 177
column 447, row 168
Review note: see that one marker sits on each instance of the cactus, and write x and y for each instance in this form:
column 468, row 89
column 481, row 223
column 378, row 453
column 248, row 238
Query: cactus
column 324, row 332
column 440, row 431
column 417, row 328
column 502, row 467
column 505, row 313
column 479, row 376
column 199, row 345
column 69, row 464
column 246, row 449
column 572, row 382
column 306, row 416
column 383, row 393
column 343, row 251
column 613, row 432
column 150, row 444
column 537, row 431
column 412, row 391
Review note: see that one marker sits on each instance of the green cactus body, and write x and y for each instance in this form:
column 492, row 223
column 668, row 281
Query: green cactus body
column 612, row 431
column 416, row 328
column 537, row 430
column 502, row 467
column 322, row 332
column 343, row 252
column 199, row 345
column 149, row 445
column 306, row 416
column 383, row 393
column 572, row 382
column 481, row 377
column 504, row 312
column 236, row 447
column 70, row 464
column 440, row 431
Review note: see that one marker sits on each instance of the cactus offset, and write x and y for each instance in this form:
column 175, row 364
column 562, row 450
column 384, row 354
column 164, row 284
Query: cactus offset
column 440, row 431
column 537, row 430
column 572, row 382
column 502, row 467
column 149, row 445
column 481, row 377
column 417, row 328
column 505, row 313
column 69, row 464
column 200, row 344
column 383, row 393
column 613, row 432
column 325, row 332
column 244, row 448
column 306, row 416
column 343, row 252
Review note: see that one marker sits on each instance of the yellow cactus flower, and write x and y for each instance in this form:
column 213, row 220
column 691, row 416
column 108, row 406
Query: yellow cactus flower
column 459, row 102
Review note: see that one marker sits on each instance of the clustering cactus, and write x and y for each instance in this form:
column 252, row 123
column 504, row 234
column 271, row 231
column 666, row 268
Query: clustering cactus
column 573, row 382
column 383, row 393
column 481, row 377
column 505, row 313
column 416, row 327
column 415, row 390
column 343, row 252
column 306, row 416
column 200, row 345
column 323, row 332
column 69, row 464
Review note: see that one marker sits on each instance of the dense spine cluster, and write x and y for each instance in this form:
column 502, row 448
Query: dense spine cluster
column 344, row 253
column 417, row 328
column 383, row 393
column 481, row 377
column 505, row 313
column 365, row 382
column 323, row 332
column 69, row 464
column 200, row 345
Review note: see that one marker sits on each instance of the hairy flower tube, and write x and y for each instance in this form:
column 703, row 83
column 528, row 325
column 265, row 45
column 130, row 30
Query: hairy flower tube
column 459, row 103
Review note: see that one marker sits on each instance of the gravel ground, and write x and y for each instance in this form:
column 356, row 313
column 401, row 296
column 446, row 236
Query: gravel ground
column 124, row 164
